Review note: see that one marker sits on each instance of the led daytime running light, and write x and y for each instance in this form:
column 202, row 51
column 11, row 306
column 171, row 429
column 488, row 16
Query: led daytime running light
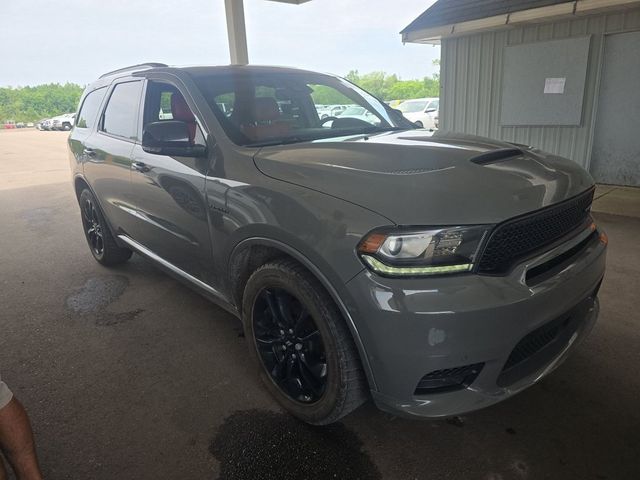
column 382, row 268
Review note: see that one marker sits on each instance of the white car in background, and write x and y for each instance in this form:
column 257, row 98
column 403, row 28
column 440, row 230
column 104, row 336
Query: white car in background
column 325, row 111
column 361, row 113
column 421, row 111
column 63, row 122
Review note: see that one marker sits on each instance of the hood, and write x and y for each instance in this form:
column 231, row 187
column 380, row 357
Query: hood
column 418, row 178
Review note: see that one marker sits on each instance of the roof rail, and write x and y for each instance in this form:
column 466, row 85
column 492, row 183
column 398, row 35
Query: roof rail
column 140, row 66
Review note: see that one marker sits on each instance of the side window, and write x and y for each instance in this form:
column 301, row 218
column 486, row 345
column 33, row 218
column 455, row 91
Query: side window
column 163, row 102
column 120, row 116
column 89, row 110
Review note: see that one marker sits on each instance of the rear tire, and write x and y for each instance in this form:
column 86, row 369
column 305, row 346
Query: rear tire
column 101, row 243
column 329, row 382
column 419, row 124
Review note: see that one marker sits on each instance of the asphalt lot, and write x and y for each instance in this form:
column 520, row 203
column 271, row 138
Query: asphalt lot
column 128, row 374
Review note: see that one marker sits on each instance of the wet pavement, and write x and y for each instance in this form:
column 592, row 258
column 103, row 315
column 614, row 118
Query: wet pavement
column 128, row 374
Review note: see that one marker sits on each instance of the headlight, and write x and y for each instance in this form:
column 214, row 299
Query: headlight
column 423, row 252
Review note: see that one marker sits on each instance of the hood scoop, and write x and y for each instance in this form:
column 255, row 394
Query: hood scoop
column 496, row 156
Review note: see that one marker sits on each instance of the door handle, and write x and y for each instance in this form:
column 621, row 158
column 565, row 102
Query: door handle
column 140, row 166
column 89, row 152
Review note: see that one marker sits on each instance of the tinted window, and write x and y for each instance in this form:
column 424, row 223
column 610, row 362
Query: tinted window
column 121, row 114
column 89, row 109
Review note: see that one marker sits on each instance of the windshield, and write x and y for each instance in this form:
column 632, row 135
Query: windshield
column 411, row 106
column 258, row 108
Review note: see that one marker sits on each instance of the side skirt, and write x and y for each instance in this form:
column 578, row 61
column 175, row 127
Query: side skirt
column 191, row 281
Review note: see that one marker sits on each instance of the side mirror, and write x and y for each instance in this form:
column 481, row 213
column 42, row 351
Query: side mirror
column 430, row 110
column 170, row 138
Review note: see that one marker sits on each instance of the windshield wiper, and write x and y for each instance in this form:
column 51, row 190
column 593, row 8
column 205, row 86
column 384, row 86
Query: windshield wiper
column 276, row 141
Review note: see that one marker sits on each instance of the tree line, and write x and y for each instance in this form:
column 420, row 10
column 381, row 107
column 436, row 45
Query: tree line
column 30, row 104
column 390, row 87
column 382, row 85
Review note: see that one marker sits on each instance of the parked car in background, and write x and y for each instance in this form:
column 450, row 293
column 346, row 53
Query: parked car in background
column 63, row 122
column 360, row 113
column 325, row 111
column 20, row 125
column 9, row 125
column 47, row 124
column 30, row 125
column 420, row 111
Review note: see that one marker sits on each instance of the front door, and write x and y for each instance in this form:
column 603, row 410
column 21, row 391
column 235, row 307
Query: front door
column 168, row 193
column 615, row 157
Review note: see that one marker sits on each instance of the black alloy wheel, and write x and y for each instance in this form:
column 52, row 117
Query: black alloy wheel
column 290, row 345
column 93, row 228
column 101, row 242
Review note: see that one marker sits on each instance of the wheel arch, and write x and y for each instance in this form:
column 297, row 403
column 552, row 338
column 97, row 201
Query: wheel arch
column 251, row 253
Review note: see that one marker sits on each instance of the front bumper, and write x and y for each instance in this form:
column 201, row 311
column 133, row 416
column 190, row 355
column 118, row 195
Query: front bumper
column 413, row 327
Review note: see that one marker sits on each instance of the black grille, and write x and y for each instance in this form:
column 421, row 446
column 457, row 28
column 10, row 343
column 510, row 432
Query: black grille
column 448, row 379
column 535, row 341
column 542, row 345
column 521, row 236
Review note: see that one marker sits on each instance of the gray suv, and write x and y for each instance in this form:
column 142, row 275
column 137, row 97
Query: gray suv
column 366, row 258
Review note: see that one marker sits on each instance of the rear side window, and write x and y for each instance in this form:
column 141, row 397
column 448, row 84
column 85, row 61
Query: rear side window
column 89, row 110
column 121, row 115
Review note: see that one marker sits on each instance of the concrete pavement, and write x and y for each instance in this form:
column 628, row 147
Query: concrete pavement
column 128, row 374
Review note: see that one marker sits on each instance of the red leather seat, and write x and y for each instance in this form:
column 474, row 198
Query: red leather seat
column 181, row 111
column 264, row 121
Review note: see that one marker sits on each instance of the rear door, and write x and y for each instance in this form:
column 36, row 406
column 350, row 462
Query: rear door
column 168, row 193
column 108, row 153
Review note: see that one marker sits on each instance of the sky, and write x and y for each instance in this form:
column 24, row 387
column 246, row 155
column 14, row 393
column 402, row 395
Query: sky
column 77, row 40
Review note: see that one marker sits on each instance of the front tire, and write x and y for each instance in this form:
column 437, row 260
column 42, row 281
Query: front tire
column 308, row 360
column 101, row 243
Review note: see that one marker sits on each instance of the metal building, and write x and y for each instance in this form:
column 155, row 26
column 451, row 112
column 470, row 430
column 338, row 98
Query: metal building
column 563, row 76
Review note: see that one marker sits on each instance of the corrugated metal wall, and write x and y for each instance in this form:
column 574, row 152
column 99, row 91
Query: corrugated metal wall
column 471, row 82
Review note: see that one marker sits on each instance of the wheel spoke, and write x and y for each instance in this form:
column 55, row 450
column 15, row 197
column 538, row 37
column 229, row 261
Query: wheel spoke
column 318, row 370
column 310, row 336
column 284, row 308
column 311, row 383
column 87, row 210
column 273, row 307
column 300, row 321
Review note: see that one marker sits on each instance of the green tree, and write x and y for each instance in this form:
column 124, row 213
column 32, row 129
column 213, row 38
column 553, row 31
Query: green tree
column 390, row 87
column 30, row 104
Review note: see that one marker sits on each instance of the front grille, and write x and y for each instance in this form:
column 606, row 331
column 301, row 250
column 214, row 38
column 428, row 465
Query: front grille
column 517, row 238
column 448, row 379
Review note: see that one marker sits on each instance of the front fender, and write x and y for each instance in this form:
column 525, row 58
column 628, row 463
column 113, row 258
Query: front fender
column 334, row 287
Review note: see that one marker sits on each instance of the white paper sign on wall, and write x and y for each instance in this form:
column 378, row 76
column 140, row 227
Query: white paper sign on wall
column 554, row 85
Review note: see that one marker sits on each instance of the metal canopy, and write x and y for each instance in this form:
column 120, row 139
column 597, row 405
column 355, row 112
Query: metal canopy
column 236, row 29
